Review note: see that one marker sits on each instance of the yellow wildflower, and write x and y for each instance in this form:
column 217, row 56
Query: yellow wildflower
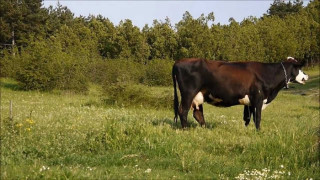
column 28, row 129
column 30, row 121
column 19, row 125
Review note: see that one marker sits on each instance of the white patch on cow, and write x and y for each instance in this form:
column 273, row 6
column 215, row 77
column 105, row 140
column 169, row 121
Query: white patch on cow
column 290, row 58
column 301, row 77
column 197, row 100
column 264, row 104
column 214, row 100
column 245, row 100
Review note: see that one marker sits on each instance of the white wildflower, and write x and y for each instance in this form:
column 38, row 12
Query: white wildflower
column 44, row 168
column 148, row 170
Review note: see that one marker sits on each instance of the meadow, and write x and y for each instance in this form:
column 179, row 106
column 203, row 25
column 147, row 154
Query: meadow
column 63, row 135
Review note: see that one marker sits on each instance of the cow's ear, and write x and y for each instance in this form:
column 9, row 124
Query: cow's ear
column 303, row 63
column 300, row 63
column 292, row 60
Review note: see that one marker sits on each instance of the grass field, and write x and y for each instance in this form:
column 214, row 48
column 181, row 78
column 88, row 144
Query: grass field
column 62, row 135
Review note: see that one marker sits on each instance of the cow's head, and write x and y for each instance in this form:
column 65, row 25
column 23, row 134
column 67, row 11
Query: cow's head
column 296, row 73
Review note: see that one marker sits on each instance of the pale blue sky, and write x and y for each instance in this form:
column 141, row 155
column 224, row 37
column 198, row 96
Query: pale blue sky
column 144, row 12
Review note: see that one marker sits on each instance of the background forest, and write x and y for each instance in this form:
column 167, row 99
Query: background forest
column 50, row 48
column 83, row 98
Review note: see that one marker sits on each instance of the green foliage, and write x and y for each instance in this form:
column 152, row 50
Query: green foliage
column 9, row 63
column 162, row 40
column 194, row 37
column 281, row 8
column 39, row 67
column 44, row 66
column 154, row 73
column 57, row 17
column 22, row 20
column 74, row 47
column 130, row 43
column 122, row 82
column 132, row 95
column 158, row 73
column 114, row 71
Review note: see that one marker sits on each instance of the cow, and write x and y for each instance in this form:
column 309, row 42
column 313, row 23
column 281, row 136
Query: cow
column 252, row 84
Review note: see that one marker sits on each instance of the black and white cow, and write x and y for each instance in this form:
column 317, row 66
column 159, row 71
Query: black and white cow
column 225, row 84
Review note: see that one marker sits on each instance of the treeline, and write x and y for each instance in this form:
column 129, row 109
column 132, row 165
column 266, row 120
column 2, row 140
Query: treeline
column 48, row 48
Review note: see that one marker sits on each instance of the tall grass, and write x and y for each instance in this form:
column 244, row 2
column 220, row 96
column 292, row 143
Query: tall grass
column 70, row 136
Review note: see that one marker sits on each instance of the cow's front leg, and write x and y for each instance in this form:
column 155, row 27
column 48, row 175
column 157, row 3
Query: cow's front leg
column 198, row 115
column 247, row 114
column 257, row 113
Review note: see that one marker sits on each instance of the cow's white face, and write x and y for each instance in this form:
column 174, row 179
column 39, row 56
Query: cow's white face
column 297, row 74
column 301, row 77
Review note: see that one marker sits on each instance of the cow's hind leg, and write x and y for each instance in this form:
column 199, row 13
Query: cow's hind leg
column 198, row 115
column 183, row 112
column 186, row 101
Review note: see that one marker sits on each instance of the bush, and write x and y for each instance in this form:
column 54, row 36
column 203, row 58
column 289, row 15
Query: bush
column 127, row 83
column 44, row 66
column 114, row 71
column 154, row 73
column 73, row 78
column 40, row 67
column 134, row 95
column 9, row 62
column 158, row 73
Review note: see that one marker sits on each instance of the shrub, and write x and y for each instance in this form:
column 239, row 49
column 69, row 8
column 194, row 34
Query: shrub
column 73, row 78
column 113, row 71
column 40, row 67
column 134, row 95
column 45, row 66
column 127, row 83
column 9, row 63
column 158, row 73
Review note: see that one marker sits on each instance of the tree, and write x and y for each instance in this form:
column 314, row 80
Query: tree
column 278, row 39
column 21, row 20
column 282, row 9
column 161, row 39
column 57, row 17
column 105, row 33
column 194, row 37
column 130, row 42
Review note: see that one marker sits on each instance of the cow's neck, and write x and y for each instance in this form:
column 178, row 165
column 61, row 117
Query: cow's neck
column 282, row 78
column 285, row 76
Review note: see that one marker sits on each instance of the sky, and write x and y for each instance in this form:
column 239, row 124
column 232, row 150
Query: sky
column 144, row 12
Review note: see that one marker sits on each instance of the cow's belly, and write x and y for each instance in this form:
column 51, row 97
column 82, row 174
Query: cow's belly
column 197, row 100
column 203, row 96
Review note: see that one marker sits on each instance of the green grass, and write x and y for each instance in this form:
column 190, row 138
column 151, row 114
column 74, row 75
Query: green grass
column 68, row 136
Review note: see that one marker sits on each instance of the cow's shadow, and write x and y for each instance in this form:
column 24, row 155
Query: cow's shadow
column 173, row 125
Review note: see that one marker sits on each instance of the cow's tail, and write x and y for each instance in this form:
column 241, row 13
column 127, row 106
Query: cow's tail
column 175, row 101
